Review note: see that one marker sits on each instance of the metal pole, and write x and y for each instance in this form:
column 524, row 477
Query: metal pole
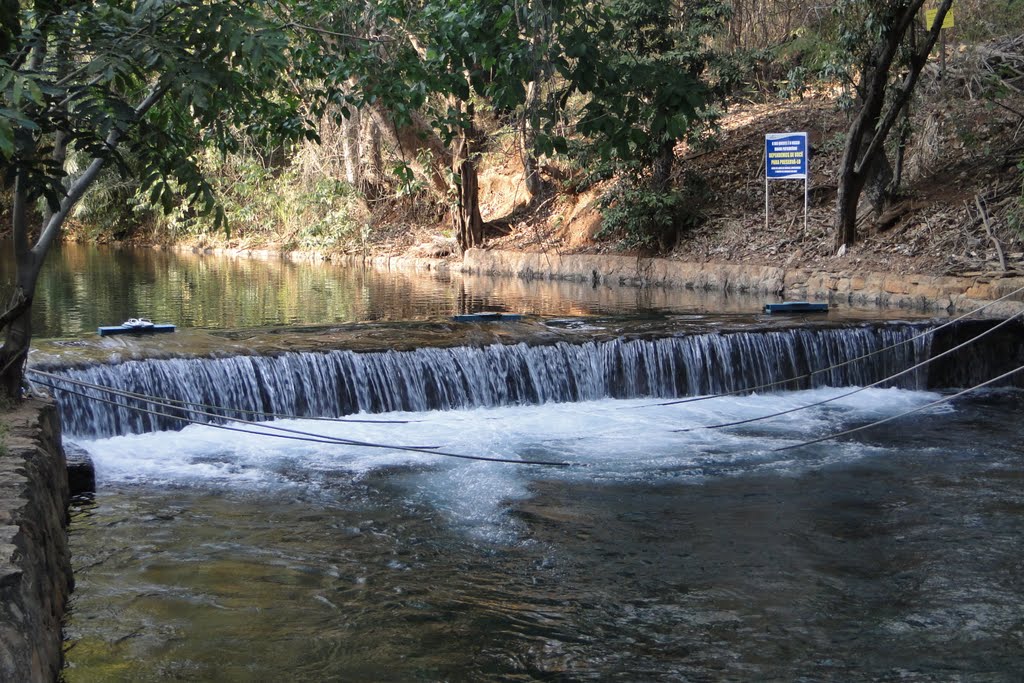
column 806, row 192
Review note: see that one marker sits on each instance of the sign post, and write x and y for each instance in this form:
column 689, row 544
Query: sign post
column 947, row 22
column 785, row 158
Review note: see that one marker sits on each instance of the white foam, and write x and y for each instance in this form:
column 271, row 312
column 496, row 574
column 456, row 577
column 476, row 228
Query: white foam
column 605, row 440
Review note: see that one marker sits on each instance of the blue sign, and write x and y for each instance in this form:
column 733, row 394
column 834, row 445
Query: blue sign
column 785, row 156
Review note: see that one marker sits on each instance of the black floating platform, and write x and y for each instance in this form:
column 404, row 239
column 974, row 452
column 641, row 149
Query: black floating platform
column 796, row 307
column 134, row 329
column 486, row 317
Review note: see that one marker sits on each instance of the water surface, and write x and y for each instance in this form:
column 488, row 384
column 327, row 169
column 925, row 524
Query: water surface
column 657, row 555
column 84, row 286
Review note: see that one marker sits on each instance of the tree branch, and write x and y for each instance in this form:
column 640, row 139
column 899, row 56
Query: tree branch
column 334, row 34
column 917, row 64
column 78, row 188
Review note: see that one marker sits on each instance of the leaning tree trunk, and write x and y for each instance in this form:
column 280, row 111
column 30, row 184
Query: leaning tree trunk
column 847, row 196
column 864, row 158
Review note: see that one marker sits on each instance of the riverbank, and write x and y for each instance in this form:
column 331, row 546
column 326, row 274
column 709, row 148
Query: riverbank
column 844, row 283
column 35, row 563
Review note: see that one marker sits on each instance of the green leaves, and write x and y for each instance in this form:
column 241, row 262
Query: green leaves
column 648, row 89
column 219, row 71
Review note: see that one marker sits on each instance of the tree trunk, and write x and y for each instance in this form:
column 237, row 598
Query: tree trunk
column 847, row 196
column 661, row 171
column 864, row 160
column 531, row 168
column 350, row 147
column 16, row 345
column 17, row 319
column 466, row 220
column 878, row 181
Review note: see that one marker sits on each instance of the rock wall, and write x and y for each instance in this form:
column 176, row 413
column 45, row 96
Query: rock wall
column 917, row 292
column 35, row 565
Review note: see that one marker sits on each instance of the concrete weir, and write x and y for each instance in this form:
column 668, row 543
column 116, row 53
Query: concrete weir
column 35, row 563
column 35, row 569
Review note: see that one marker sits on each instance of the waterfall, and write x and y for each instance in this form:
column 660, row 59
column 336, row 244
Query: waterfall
column 338, row 383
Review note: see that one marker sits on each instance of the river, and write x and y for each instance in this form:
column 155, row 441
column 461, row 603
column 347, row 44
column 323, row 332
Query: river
column 663, row 550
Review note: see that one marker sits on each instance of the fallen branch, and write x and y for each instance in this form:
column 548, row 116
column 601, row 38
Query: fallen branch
column 988, row 231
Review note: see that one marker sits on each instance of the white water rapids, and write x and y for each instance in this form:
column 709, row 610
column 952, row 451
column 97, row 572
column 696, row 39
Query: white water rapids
column 614, row 440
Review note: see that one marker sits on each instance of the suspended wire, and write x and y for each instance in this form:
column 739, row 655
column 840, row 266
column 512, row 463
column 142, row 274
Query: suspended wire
column 189, row 404
column 858, row 389
column 285, row 433
column 769, row 385
column 299, row 435
column 940, row 401
column 159, row 402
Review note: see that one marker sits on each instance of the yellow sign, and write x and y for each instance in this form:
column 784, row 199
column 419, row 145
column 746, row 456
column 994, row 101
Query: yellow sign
column 929, row 18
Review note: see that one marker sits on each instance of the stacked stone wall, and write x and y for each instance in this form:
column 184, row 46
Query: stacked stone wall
column 35, row 564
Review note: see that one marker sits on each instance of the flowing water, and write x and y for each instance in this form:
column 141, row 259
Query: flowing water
column 655, row 555
column 662, row 550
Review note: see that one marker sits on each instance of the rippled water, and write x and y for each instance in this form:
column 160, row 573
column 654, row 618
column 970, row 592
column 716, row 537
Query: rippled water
column 656, row 555
column 703, row 555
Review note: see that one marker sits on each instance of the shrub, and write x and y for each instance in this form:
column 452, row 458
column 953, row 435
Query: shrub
column 642, row 217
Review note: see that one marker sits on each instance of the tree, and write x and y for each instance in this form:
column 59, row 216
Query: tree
column 95, row 79
column 423, row 70
column 649, row 84
column 880, row 36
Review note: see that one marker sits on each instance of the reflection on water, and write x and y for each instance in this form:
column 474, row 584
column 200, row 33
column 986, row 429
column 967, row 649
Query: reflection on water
column 697, row 556
column 659, row 555
column 83, row 287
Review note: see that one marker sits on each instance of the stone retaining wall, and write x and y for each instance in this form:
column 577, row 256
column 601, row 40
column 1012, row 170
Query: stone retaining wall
column 917, row 292
column 35, row 564
column 928, row 293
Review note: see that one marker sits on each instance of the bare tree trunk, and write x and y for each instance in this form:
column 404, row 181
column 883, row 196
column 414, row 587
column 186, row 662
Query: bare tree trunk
column 466, row 220
column 350, row 148
column 864, row 159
